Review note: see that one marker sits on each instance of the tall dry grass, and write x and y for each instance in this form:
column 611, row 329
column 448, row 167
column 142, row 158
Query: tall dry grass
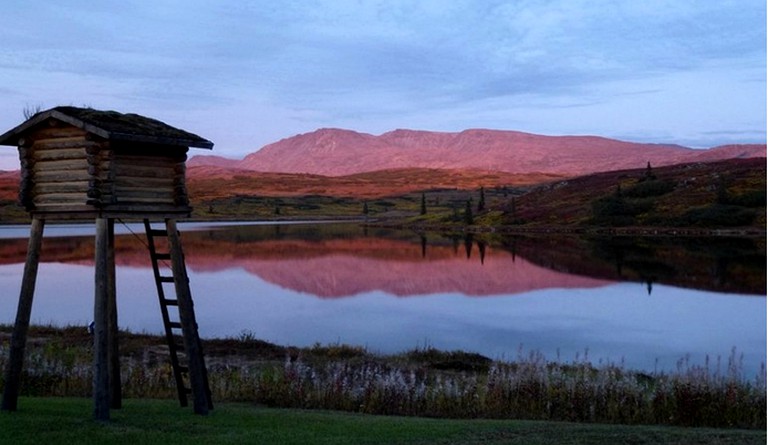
column 715, row 394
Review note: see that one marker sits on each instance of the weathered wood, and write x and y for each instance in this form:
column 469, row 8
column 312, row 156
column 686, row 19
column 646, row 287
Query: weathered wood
column 68, row 212
column 62, row 198
column 23, row 312
column 135, row 171
column 61, row 175
column 26, row 181
column 144, row 170
column 61, row 154
column 64, row 143
column 60, row 187
column 58, row 132
column 101, row 387
column 121, row 199
column 61, row 165
column 128, row 182
column 116, row 394
column 150, row 160
column 188, row 323
column 100, row 169
column 148, row 192
column 67, row 207
column 65, row 162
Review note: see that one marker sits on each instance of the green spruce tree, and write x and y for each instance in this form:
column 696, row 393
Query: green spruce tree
column 468, row 218
column 481, row 201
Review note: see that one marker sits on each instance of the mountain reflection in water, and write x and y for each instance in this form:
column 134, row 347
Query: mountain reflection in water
column 341, row 260
column 642, row 300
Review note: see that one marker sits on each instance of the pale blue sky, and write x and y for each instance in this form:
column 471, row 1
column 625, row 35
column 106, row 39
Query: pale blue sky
column 247, row 73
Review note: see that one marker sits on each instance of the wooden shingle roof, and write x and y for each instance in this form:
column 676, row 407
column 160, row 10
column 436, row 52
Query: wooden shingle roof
column 110, row 125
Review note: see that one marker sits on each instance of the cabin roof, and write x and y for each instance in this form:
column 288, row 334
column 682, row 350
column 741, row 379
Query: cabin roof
column 110, row 125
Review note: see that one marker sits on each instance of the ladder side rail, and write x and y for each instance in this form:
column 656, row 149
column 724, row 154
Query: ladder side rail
column 194, row 352
column 172, row 346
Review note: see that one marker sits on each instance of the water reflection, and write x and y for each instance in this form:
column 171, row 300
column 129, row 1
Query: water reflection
column 362, row 259
column 301, row 284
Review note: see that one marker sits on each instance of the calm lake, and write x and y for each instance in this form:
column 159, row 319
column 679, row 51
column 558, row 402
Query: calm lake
column 646, row 302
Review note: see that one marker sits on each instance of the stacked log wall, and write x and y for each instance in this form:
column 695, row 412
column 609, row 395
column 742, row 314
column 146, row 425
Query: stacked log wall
column 150, row 178
column 55, row 168
column 66, row 169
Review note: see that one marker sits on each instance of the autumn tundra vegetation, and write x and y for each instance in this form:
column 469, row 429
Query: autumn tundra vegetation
column 420, row 382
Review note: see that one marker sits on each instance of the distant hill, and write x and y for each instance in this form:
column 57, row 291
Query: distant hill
column 337, row 152
column 207, row 182
column 724, row 193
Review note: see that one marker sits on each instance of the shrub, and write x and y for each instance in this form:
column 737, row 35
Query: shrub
column 648, row 189
column 754, row 198
column 719, row 215
column 617, row 211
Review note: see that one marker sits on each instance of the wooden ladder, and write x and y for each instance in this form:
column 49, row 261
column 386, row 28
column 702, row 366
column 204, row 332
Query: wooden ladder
column 186, row 357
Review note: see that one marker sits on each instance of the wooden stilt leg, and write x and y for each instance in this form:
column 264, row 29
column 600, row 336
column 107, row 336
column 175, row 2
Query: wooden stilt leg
column 116, row 395
column 188, row 322
column 101, row 387
column 23, row 313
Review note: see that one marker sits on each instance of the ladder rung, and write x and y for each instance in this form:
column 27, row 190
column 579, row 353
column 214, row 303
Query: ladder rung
column 158, row 232
column 184, row 369
column 169, row 302
column 166, row 279
column 174, row 325
column 162, row 256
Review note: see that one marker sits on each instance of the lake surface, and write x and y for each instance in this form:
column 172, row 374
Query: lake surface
column 646, row 302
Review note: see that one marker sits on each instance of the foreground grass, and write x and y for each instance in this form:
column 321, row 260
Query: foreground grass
column 419, row 383
column 68, row 420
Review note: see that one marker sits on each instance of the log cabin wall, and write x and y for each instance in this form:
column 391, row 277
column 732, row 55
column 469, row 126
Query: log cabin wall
column 79, row 163
column 67, row 169
column 149, row 174
column 55, row 173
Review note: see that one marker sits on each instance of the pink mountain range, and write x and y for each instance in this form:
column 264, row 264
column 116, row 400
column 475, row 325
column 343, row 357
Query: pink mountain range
column 337, row 152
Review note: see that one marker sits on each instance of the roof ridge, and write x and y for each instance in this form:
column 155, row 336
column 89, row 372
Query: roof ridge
column 111, row 125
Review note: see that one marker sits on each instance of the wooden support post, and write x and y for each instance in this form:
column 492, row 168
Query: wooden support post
column 23, row 313
column 188, row 322
column 116, row 395
column 101, row 388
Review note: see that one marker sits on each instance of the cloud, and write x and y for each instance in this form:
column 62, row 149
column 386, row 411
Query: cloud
column 283, row 67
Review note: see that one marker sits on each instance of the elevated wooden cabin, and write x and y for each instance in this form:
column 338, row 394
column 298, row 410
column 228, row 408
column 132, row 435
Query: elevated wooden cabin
column 81, row 163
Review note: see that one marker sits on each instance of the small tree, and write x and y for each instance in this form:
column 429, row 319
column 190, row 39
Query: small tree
column 423, row 204
column 365, row 207
column 649, row 176
column 721, row 189
column 481, row 202
column 468, row 218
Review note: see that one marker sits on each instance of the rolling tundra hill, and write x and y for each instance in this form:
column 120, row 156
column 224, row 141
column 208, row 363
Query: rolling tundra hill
column 337, row 152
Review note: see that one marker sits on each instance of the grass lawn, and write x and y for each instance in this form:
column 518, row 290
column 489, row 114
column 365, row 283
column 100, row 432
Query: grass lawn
column 68, row 421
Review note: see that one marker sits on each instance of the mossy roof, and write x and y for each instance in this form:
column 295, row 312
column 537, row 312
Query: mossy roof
column 110, row 125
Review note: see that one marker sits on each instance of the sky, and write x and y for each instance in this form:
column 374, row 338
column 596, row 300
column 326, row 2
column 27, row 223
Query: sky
column 247, row 73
